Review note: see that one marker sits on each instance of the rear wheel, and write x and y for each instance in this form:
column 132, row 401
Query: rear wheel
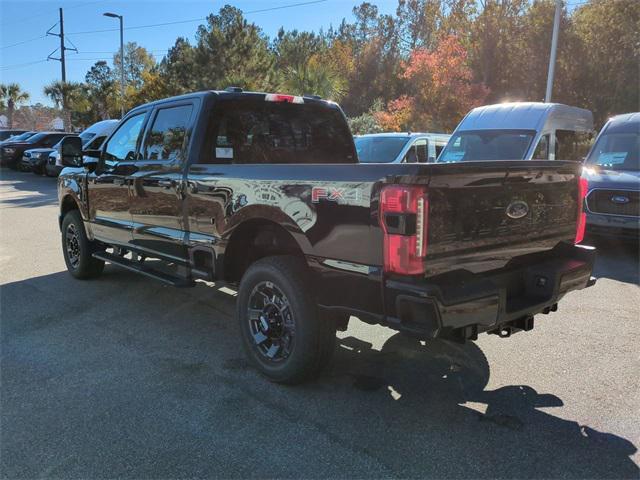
column 77, row 248
column 282, row 333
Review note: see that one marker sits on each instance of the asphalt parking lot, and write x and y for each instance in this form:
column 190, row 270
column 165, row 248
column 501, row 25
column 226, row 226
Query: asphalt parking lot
column 125, row 377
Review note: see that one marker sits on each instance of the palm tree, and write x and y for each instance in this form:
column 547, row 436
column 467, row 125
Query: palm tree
column 65, row 95
column 10, row 96
column 316, row 78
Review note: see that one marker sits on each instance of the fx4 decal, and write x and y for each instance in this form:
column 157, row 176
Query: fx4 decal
column 334, row 194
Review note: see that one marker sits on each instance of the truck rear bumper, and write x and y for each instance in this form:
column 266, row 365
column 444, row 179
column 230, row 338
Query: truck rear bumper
column 459, row 305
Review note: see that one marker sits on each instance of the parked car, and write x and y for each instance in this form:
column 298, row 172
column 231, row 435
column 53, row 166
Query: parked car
column 34, row 159
column 612, row 170
column 521, row 131
column 91, row 138
column 265, row 191
column 11, row 152
column 18, row 137
column 6, row 134
column 400, row 147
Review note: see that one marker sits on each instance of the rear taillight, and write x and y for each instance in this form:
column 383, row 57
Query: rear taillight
column 581, row 223
column 404, row 211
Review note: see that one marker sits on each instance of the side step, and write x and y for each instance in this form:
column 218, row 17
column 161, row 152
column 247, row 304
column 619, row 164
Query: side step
column 144, row 270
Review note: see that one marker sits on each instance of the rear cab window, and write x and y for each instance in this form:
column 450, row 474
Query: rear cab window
column 256, row 131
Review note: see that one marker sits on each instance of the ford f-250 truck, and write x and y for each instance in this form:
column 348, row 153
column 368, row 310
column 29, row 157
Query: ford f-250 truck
column 264, row 191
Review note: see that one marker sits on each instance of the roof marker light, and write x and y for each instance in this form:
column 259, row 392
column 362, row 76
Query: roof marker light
column 279, row 97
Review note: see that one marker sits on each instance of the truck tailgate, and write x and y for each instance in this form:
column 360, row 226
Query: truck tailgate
column 483, row 214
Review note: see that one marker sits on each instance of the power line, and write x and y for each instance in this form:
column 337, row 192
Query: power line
column 110, row 52
column 262, row 10
column 192, row 20
column 23, row 42
column 37, row 15
column 138, row 27
column 20, row 65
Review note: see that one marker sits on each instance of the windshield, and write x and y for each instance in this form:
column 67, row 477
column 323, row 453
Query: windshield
column 487, row 145
column 379, row 149
column 616, row 151
column 22, row 137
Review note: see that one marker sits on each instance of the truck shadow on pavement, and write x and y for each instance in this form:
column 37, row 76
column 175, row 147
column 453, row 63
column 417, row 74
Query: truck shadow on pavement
column 617, row 260
column 436, row 392
column 151, row 382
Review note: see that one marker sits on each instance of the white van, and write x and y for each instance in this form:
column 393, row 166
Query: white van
column 521, row 131
column 92, row 139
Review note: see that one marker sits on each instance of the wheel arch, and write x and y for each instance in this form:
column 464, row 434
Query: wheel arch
column 67, row 204
column 254, row 239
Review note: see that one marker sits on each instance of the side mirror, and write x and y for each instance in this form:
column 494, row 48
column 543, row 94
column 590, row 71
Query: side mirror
column 71, row 151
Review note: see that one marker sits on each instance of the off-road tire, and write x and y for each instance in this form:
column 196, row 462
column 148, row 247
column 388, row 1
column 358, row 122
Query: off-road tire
column 315, row 335
column 82, row 265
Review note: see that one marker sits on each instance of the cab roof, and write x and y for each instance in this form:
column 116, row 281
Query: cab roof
column 234, row 93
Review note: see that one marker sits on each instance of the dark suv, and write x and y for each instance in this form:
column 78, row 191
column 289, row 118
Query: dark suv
column 11, row 152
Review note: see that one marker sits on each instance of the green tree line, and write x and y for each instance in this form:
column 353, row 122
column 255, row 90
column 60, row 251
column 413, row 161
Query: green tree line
column 421, row 68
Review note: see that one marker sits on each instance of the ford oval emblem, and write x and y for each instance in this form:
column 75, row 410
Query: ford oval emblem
column 517, row 209
column 621, row 199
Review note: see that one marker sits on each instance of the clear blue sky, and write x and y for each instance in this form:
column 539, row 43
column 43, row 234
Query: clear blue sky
column 25, row 20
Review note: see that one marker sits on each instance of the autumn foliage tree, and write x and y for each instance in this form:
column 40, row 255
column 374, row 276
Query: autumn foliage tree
column 442, row 89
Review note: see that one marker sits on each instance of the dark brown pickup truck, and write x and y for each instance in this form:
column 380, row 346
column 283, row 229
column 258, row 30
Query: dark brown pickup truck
column 264, row 191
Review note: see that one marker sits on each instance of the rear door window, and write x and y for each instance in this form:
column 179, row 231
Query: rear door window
column 166, row 139
column 262, row 132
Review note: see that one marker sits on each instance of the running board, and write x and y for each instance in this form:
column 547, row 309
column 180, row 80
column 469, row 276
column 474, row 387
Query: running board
column 143, row 269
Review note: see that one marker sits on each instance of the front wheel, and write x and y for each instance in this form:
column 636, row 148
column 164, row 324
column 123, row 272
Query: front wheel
column 77, row 248
column 282, row 332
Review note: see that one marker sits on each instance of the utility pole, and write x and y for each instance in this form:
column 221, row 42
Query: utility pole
column 62, row 47
column 63, row 65
column 554, row 48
